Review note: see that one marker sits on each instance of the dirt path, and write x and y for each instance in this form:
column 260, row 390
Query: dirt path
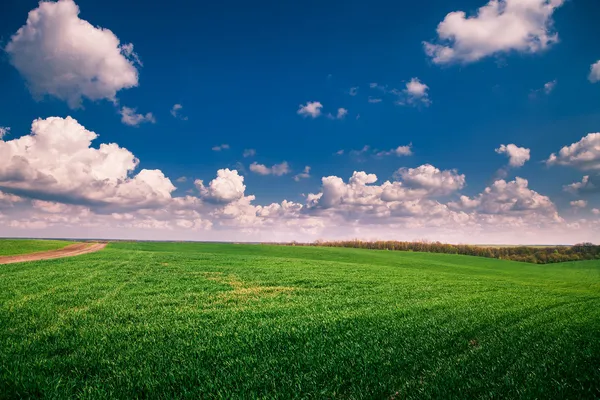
column 68, row 251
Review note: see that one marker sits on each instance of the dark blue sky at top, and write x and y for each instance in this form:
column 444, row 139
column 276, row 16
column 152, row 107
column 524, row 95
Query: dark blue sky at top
column 241, row 70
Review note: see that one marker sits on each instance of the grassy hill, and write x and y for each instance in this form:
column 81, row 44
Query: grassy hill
column 166, row 320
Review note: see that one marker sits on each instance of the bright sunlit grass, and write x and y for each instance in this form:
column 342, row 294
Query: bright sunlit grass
column 9, row 247
column 167, row 320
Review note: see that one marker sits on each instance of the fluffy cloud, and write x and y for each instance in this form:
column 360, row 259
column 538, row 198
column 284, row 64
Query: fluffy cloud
column 432, row 179
column 595, row 72
column 4, row 130
column 584, row 154
column 415, row 93
column 310, row 109
column 221, row 147
column 589, row 184
column 303, row 175
column 549, row 86
column 63, row 56
column 56, row 161
column 131, row 118
column 227, row 187
column 341, row 113
column 277, row 169
column 518, row 156
column 399, row 151
column 500, row 26
column 595, row 211
column 512, row 200
column 374, row 100
column 579, row 203
column 54, row 183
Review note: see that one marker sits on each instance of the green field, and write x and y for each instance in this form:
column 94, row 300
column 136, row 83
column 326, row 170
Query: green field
column 182, row 320
column 11, row 247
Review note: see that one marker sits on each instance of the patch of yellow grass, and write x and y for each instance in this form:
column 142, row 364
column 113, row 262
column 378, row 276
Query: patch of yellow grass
column 242, row 291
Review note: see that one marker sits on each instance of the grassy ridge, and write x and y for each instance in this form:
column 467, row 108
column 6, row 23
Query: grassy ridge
column 241, row 321
column 11, row 247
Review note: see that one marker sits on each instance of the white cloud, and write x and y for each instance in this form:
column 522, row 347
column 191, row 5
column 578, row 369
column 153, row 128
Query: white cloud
column 341, row 113
column 181, row 179
column 249, row 153
column 353, row 91
column 588, row 184
column 546, row 89
column 415, row 93
column 578, row 203
column 510, row 199
column 56, row 161
column 432, row 179
column 303, row 175
column 227, row 187
column 4, row 130
column 374, row 100
column 277, row 169
column 63, row 56
column 549, row 86
column 176, row 112
column 501, row 26
column 310, row 109
column 399, row 151
column 518, row 156
column 595, row 72
column 131, row 118
column 584, row 154
column 596, row 211
column 221, row 147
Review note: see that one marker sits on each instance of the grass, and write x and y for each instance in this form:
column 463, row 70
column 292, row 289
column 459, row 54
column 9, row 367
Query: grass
column 11, row 247
column 184, row 320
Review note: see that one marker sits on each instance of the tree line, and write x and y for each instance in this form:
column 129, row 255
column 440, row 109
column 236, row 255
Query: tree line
column 530, row 254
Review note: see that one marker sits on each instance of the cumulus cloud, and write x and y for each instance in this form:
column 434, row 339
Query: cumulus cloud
column 579, row 204
column 588, row 184
column 517, row 156
column 129, row 116
column 399, row 151
column 341, row 113
column 549, row 86
column 596, row 211
column 415, row 93
column 303, row 175
column 4, row 130
column 510, row 199
column 56, row 161
column 66, row 57
column 228, row 186
column 310, row 109
column 277, row 169
column 374, row 100
column 595, row 72
column 221, row 147
column 501, row 26
column 432, row 179
column 583, row 155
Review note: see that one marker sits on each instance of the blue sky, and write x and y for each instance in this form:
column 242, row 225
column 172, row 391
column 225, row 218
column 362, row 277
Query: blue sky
column 241, row 72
